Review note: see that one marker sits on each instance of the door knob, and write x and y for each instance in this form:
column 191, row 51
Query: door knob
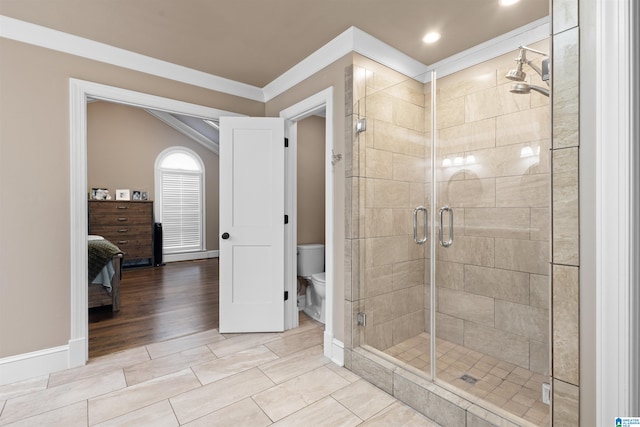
column 225, row 236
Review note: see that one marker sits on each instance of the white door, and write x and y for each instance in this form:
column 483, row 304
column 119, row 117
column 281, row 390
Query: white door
column 251, row 224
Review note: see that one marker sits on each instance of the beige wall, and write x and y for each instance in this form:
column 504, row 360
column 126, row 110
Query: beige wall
column 331, row 76
column 123, row 144
column 34, row 183
column 310, row 182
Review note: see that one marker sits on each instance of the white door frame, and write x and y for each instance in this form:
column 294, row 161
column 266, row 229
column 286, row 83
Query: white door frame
column 321, row 101
column 79, row 92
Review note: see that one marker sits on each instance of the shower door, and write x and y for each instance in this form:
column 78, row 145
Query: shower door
column 392, row 188
column 492, row 255
column 464, row 207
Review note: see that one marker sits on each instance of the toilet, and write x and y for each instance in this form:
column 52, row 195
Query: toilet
column 311, row 267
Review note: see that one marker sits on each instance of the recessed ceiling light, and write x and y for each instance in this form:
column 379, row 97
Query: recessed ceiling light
column 508, row 2
column 431, row 37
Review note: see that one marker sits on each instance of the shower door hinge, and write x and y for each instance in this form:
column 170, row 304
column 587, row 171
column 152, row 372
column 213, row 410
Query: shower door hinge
column 286, row 295
column 361, row 125
column 286, row 219
column 286, row 143
column 362, row 319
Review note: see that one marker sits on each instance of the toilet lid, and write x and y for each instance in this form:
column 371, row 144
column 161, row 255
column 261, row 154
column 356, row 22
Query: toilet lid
column 319, row 277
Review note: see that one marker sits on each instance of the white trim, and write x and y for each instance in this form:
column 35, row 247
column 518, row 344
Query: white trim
column 337, row 352
column 190, row 256
column 79, row 92
column 351, row 40
column 37, row 35
column 613, row 222
column 33, row 364
column 186, row 130
column 320, row 101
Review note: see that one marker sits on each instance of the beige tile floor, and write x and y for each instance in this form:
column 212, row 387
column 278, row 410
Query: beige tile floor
column 208, row 379
column 502, row 384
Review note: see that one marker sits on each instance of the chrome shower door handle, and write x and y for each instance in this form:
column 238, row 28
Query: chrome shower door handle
column 415, row 225
column 448, row 242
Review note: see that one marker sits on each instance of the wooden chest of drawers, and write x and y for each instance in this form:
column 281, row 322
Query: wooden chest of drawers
column 127, row 224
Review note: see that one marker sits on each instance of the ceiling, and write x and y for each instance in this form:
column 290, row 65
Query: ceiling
column 255, row 41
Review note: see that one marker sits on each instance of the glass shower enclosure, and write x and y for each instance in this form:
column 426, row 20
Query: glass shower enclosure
column 453, row 201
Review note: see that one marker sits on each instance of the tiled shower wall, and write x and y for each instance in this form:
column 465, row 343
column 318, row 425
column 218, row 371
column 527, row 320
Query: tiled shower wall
column 389, row 169
column 566, row 251
column 493, row 169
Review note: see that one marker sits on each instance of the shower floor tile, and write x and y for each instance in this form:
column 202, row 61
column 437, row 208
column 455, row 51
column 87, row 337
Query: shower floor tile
column 503, row 384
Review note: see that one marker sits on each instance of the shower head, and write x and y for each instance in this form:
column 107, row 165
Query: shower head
column 524, row 88
column 517, row 75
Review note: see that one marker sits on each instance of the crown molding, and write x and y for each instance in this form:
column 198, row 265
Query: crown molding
column 37, row 35
column 351, row 40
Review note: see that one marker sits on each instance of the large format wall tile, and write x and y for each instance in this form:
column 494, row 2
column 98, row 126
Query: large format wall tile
column 566, row 404
column 510, row 223
column 566, row 231
column 463, row 305
column 522, row 255
column 566, row 89
column 523, row 126
column 523, row 191
column 500, row 284
column 469, row 136
column 499, row 344
column 530, row 322
column 493, row 102
column 566, row 324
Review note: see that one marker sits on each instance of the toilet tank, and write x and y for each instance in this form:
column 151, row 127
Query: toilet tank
column 310, row 259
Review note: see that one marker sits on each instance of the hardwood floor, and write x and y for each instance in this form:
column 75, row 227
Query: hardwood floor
column 157, row 304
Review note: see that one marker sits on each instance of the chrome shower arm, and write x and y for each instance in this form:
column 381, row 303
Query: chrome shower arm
column 540, row 89
column 533, row 50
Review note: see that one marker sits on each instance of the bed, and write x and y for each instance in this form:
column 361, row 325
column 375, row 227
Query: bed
column 105, row 272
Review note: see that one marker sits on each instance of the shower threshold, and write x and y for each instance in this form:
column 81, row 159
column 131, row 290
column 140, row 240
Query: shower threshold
column 503, row 384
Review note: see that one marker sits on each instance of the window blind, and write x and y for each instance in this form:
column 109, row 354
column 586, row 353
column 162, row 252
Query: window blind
column 181, row 211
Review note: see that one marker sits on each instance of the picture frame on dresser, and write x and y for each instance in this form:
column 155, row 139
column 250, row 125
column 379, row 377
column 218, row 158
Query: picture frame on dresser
column 123, row 194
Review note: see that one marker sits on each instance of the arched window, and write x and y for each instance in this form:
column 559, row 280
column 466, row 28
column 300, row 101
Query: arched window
column 180, row 200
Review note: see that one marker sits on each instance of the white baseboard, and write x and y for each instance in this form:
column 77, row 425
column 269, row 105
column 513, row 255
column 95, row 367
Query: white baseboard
column 191, row 256
column 337, row 354
column 34, row 364
column 333, row 349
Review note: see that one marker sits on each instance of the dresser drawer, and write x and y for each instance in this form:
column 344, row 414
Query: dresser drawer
column 127, row 224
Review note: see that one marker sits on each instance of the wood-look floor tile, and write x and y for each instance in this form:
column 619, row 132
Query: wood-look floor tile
column 399, row 414
column 157, row 415
column 238, row 342
column 291, row 366
column 290, row 396
column 100, row 366
column 74, row 415
column 165, row 365
column 211, row 397
column 120, row 402
column 233, row 364
column 241, row 414
column 284, row 346
column 177, row 345
column 326, row 412
column 23, row 387
column 363, row 399
column 63, row 395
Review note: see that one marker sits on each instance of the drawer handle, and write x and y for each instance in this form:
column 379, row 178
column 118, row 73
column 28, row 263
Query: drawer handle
column 123, row 207
column 123, row 242
column 122, row 219
column 123, row 230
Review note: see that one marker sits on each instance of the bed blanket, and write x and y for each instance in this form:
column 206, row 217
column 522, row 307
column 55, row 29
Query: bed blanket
column 100, row 253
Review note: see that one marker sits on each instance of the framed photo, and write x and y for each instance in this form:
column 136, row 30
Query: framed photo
column 144, row 196
column 136, row 195
column 122, row 194
column 99, row 194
